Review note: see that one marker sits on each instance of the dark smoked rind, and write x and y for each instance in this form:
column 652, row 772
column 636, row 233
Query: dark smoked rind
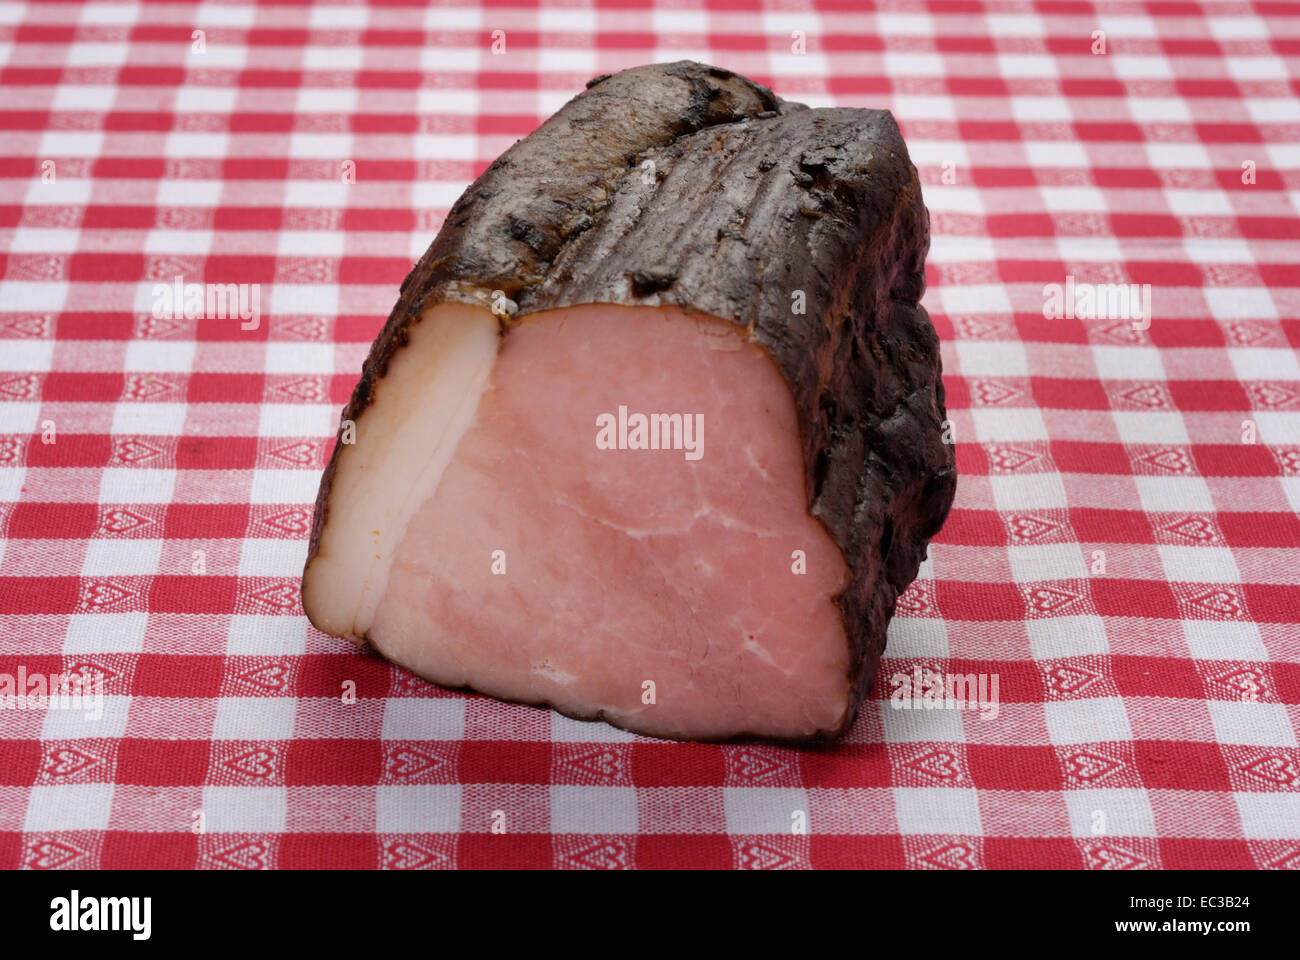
column 688, row 185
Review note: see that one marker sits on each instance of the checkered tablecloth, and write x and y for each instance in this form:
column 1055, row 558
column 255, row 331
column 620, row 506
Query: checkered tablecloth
column 1120, row 554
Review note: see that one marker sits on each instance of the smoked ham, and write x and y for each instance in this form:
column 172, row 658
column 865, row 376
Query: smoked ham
column 655, row 432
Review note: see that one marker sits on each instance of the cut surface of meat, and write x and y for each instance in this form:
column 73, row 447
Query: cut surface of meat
column 681, row 591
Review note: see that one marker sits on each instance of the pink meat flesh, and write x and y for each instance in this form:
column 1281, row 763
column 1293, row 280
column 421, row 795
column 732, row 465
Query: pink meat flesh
column 629, row 575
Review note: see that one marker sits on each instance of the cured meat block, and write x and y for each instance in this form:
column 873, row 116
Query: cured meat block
column 654, row 433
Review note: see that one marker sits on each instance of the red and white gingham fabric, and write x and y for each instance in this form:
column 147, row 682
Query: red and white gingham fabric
column 1149, row 713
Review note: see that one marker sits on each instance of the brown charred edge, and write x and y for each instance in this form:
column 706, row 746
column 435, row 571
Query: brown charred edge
column 752, row 199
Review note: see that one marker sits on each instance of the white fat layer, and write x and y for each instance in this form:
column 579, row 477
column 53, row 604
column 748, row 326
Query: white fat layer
column 404, row 440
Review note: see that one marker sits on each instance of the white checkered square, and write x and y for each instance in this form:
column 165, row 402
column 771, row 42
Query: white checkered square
column 121, row 558
column 1174, row 494
column 254, row 718
column 106, row 632
column 130, row 485
column 272, row 558
column 1094, row 720
column 69, row 806
column 424, row 718
column 240, row 809
column 1199, row 564
column 1052, row 638
column 1224, row 640
column 943, row 810
column 912, row 725
column 1110, row 813
column 1251, row 723
column 251, row 635
column 762, row 810
column 577, row 809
